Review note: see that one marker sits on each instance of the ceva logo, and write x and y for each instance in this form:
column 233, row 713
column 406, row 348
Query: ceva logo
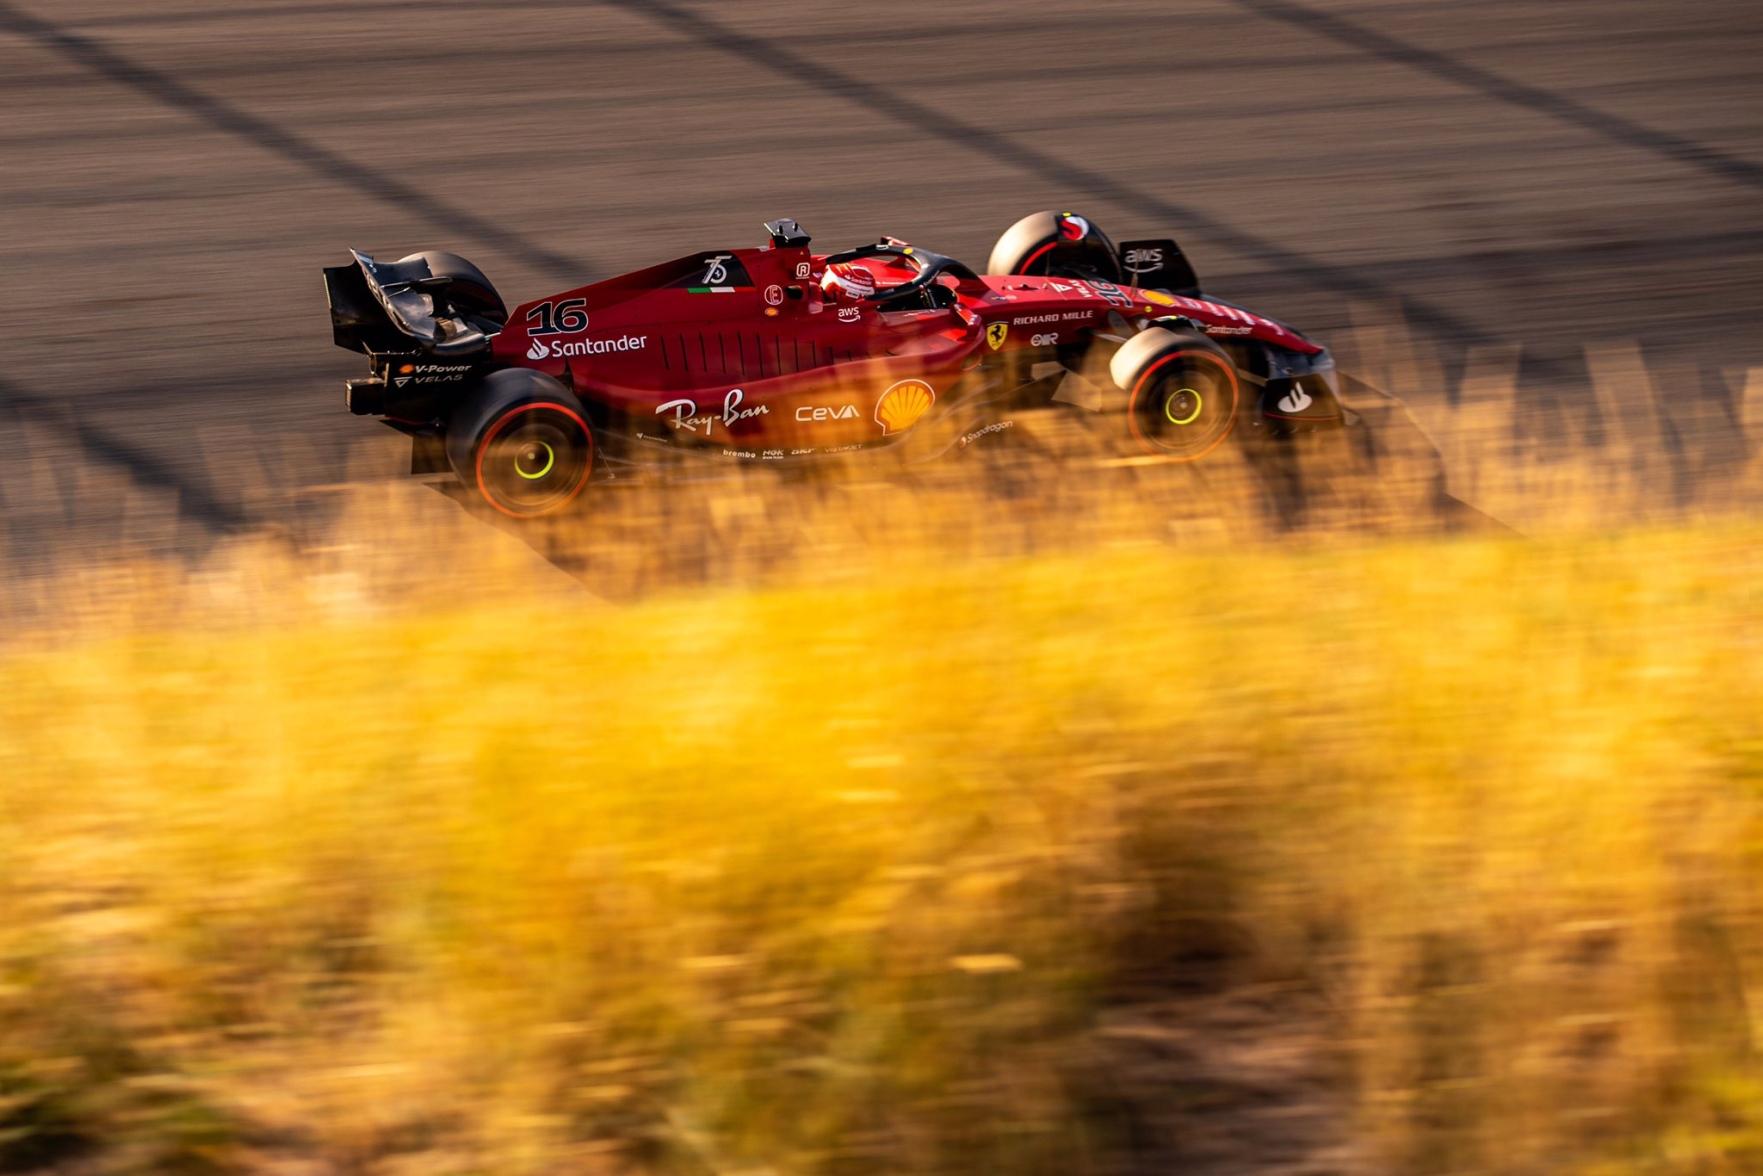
column 809, row 414
column 539, row 350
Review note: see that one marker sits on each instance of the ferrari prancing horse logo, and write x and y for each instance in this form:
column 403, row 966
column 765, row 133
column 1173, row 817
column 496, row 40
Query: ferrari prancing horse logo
column 996, row 333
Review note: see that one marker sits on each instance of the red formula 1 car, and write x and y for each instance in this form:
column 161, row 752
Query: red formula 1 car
column 778, row 353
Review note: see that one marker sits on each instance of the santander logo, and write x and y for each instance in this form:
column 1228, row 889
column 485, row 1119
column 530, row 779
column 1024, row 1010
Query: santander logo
column 576, row 348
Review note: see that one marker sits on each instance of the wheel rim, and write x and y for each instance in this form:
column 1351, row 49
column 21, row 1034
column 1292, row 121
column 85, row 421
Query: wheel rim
column 1185, row 405
column 534, row 459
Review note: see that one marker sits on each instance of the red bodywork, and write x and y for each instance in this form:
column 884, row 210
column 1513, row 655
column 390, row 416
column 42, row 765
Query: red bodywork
column 738, row 351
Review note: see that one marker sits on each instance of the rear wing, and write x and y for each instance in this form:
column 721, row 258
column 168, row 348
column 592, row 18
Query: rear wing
column 1158, row 265
column 379, row 308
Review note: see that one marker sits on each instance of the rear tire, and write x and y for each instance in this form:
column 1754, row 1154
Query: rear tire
column 1056, row 244
column 523, row 443
column 1183, row 395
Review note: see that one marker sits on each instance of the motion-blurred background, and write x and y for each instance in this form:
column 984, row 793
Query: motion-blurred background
column 339, row 832
column 1513, row 180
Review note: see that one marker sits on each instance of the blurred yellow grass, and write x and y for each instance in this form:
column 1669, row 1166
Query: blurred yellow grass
column 887, row 876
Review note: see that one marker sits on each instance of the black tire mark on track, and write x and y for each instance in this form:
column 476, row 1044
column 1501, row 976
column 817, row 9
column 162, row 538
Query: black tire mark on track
column 169, row 91
column 322, row 8
column 1610, row 126
column 404, row 7
column 194, row 501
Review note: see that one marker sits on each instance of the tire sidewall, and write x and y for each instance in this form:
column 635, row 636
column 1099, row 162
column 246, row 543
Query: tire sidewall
column 1138, row 369
column 1037, row 235
column 491, row 410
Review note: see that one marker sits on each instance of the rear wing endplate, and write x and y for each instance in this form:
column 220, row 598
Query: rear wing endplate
column 1158, row 265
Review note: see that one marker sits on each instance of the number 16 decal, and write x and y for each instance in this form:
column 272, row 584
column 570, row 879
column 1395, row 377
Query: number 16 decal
column 568, row 317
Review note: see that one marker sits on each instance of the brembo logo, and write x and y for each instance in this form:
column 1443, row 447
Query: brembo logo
column 578, row 347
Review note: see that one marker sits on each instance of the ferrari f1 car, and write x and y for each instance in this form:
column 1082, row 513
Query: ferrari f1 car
column 778, row 353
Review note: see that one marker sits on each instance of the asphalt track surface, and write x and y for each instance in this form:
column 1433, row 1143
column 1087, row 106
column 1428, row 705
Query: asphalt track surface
column 1523, row 177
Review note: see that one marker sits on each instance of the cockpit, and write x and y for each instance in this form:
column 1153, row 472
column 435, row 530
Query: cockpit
column 889, row 275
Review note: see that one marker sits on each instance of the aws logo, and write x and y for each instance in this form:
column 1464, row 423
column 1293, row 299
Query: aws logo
column 996, row 334
column 1144, row 261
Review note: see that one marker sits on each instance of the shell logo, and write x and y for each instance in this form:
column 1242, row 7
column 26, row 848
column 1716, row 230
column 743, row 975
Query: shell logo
column 901, row 406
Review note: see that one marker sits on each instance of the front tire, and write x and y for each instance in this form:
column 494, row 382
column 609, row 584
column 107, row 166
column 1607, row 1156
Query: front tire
column 523, row 443
column 1183, row 394
column 1056, row 244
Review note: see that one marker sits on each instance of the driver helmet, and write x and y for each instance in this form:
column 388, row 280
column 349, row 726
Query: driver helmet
column 846, row 283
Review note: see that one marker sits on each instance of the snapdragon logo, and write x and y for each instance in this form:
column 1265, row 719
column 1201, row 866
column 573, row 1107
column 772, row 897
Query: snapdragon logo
column 574, row 348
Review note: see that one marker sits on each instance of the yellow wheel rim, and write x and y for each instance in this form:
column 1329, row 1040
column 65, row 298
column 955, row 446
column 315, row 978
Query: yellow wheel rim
column 550, row 460
column 1190, row 418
